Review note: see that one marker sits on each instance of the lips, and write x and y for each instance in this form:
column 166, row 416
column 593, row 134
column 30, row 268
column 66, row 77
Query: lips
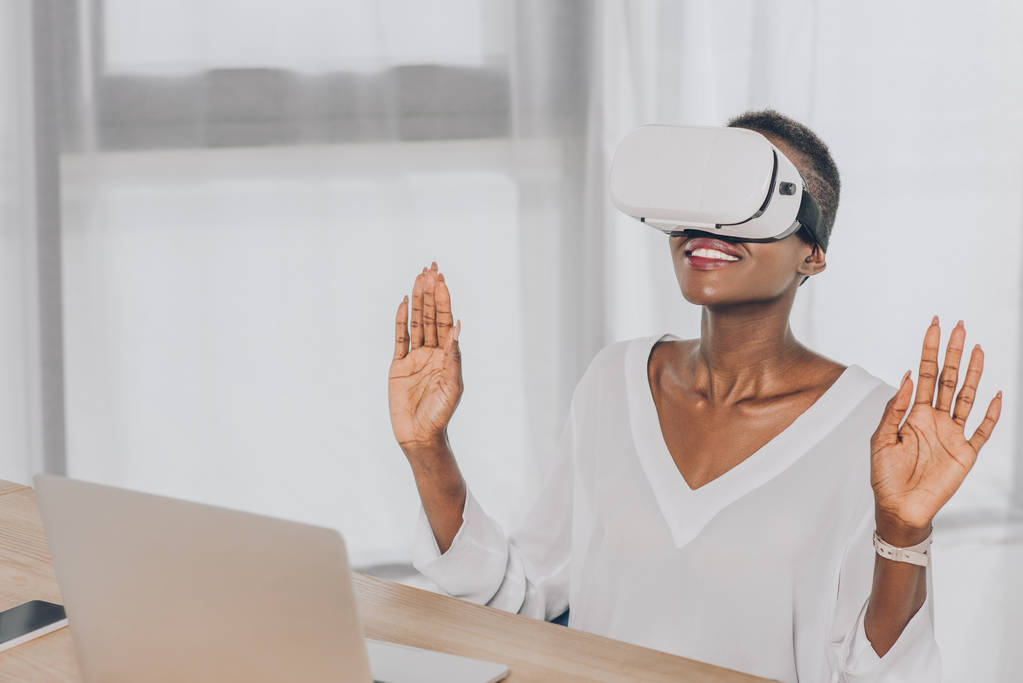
column 695, row 243
column 707, row 253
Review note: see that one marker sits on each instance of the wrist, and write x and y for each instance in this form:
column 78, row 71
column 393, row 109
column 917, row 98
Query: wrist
column 896, row 532
column 434, row 466
column 431, row 447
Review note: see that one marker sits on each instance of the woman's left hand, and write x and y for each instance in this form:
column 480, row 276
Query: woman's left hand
column 916, row 467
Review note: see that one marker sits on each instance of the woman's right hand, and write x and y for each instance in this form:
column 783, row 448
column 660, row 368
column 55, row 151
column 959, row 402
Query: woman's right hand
column 424, row 384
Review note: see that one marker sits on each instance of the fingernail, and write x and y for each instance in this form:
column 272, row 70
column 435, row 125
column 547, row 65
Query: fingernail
column 999, row 394
column 433, row 265
column 405, row 300
column 934, row 320
column 441, row 277
column 978, row 347
column 959, row 324
column 905, row 377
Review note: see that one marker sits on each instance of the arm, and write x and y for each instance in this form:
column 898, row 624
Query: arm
column 899, row 589
column 424, row 387
column 913, row 656
column 528, row 572
column 457, row 545
column 915, row 469
column 441, row 488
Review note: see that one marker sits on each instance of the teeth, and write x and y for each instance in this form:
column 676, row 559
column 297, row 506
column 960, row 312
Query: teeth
column 714, row 253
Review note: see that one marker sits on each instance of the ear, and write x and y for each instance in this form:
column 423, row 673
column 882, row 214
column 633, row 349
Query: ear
column 813, row 260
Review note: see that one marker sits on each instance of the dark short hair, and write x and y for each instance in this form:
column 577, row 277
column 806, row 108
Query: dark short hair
column 821, row 176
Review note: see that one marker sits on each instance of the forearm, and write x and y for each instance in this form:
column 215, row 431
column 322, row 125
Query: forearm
column 899, row 588
column 441, row 489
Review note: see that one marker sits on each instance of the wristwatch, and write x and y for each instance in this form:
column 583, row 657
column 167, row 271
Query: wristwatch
column 914, row 554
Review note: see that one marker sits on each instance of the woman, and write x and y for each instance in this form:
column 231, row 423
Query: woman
column 716, row 497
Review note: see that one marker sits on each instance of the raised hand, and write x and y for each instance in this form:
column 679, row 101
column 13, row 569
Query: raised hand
column 916, row 467
column 425, row 379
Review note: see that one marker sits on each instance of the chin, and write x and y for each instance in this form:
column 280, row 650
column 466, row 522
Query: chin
column 717, row 288
column 705, row 293
column 710, row 287
column 715, row 292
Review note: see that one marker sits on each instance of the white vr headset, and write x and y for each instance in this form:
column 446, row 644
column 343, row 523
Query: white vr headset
column 727, row 182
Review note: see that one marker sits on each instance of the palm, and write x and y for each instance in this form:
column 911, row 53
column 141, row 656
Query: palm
column 916, row 467
column 424, row 383
column 422, row 393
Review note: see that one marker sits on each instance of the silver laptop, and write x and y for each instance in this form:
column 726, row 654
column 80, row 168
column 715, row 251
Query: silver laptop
column 158, row 589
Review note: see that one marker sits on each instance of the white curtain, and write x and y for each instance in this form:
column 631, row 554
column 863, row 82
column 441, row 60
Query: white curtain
column 15, row 215
column 29, row 429
column 248, row 195
column 248, row 189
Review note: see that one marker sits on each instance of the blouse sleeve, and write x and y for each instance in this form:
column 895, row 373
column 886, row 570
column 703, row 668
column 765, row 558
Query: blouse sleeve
column 914, row 658
column 526, row 573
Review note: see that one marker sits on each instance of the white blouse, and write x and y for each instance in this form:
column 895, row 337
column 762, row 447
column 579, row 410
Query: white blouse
column 766, row 569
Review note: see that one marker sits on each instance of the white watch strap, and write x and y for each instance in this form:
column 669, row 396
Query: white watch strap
column 914, row 554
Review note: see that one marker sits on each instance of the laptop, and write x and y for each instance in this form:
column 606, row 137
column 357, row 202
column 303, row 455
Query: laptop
column 158, row 589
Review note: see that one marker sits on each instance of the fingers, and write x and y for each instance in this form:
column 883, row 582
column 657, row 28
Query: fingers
column 430, row 307
column 928, row 364
column 950, row 372
column 417, row 310
column 431, row 321
column 987, row 425
column 888, row 431
column 964, row 401
column 401, row 337
column 444, row 320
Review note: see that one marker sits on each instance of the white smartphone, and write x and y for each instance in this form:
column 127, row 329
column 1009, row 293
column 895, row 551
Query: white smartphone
column 29, row 620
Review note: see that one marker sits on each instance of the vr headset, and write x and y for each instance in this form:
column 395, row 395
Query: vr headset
column 726, row 182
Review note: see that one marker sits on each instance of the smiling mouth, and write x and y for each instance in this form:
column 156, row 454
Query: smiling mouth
column 708, row 253
column 704, row 253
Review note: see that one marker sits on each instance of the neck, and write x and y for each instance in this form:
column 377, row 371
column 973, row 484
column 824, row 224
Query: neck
column 744, row 349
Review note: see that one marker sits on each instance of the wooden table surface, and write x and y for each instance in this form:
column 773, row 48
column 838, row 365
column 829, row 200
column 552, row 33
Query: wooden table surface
column 531, row 649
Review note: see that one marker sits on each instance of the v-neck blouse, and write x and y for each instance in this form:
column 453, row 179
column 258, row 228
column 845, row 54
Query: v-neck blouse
column 688, row 510
column 766, row 569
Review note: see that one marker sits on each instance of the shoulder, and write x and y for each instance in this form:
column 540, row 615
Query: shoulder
column 842, row 426
column 615, row 355
column 609, row 366
column 855, row 411
column 854, row 380
column 878, row 389
column 858, row 397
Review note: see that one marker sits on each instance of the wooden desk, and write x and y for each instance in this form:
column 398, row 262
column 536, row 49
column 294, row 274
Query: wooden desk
column 532, row 650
